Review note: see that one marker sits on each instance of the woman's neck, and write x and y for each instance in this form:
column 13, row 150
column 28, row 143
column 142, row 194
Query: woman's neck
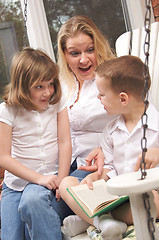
column 80, row 84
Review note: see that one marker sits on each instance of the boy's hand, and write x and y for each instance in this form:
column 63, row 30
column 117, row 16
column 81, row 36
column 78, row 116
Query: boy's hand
column 151, row 159
column 90, row 178
column 97, row 156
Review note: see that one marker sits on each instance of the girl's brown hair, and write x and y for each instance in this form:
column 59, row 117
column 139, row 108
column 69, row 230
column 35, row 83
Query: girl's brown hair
column 70, row 28
column 28, row 68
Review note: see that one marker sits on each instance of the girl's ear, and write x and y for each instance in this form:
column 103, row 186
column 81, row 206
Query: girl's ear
column 124, row 98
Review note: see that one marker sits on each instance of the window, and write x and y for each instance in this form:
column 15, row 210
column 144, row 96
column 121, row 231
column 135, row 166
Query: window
column 113, row 17
column 107, row 15
column 11, row 37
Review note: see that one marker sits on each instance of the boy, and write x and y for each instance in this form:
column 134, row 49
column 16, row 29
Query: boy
column 120, row 83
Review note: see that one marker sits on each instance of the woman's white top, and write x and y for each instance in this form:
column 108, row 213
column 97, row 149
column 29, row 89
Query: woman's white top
column 34, row 139
column 121, row 148
column 87, row 120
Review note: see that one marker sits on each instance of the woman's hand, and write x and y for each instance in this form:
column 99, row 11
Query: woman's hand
column 96, row 157
column 151, row 159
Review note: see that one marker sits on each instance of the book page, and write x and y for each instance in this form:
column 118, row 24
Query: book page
column 92, row 198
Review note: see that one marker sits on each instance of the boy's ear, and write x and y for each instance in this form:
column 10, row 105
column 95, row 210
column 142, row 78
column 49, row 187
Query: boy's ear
column 124, row 99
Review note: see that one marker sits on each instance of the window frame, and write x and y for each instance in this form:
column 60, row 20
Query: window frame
column 39, row 37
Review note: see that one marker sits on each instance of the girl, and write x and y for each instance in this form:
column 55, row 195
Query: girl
column 35, row 147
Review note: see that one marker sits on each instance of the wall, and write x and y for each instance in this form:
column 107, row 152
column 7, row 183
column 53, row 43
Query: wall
column 155, row 6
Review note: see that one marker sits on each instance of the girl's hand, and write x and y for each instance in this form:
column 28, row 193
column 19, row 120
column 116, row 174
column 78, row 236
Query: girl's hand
column 58, row 195
column 49, row 181
column 151, row 159
column 57, row 190
column 96, row 157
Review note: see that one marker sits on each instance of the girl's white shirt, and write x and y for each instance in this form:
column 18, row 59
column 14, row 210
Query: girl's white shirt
column 34, row 139
column 87, row 120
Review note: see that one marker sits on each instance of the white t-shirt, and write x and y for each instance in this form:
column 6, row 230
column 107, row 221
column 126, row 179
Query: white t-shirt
column 34, row 139
column 87, row 120
column 121, row 148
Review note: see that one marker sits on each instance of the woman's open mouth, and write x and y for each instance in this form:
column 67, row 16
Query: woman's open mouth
column 85, row 69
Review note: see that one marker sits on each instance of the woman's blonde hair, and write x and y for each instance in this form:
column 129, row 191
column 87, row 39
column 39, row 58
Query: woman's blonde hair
column 70, row 28
column 28, row 68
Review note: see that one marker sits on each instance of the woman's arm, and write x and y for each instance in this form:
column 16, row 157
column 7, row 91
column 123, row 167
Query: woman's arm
column 15, row 167
column 64, row 144
column 94, row 161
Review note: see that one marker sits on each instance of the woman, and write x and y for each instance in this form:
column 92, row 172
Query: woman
column 81, row 47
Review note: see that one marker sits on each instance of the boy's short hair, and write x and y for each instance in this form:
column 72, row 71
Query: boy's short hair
column 29, row 67
column 126, row 74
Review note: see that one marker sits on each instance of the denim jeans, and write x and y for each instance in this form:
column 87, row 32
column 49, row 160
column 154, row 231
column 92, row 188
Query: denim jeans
column 30, row 214
column 61, row 207
column 32, row 208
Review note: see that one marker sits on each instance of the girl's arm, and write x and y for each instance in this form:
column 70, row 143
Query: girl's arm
column 15, row 167
column 64, row 144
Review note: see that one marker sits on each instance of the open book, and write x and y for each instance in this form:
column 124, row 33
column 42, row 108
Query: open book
column 97, row 201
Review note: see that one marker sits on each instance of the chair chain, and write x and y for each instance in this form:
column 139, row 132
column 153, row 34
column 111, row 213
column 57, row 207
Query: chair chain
column 52, row 5
column 144, row 118
column 25, row 24
column 151, row 226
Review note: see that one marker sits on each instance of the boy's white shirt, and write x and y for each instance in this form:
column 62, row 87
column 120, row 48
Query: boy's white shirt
column 37, row 131
column 121, row 148
column 87, row 120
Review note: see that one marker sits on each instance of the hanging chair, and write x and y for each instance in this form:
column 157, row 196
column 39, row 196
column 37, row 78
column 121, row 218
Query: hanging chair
column 132, row 43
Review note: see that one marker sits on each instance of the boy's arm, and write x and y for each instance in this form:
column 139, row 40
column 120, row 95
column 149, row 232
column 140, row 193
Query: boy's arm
column 64, row 144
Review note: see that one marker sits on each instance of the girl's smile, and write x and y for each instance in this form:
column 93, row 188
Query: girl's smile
column 41, row 94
